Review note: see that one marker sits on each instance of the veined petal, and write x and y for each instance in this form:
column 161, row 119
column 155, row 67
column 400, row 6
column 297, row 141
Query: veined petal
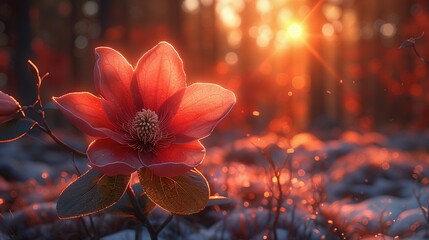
column 117, row 115
column 112, row 158
column 84, row 110
column 197, row 109
column 158, row 75
column 112, row 76
column 174, row 160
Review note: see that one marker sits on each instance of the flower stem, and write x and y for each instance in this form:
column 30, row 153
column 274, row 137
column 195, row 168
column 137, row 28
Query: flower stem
column 139, row 213
column 59, row 142
column 86, row 228
column 165, row 223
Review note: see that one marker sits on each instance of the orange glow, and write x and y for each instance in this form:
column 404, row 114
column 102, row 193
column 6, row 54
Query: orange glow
column 234, row 38
column 298, row 82
column 351, row 104
column 282, row 79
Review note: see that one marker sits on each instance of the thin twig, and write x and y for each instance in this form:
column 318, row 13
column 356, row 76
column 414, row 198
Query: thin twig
column 165, row 223
column 412, row 43
column 418, row 55
column 86, row 228
column 61, row 143
column 277, row 171
column 94, row 229
column 139, row 213
column 75, row 166
column 41, row 112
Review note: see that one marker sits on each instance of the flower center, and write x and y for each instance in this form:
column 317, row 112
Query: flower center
column 145, row 130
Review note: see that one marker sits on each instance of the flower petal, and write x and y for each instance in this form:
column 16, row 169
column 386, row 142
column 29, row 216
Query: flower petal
column 159, row 74
column 84, row 110
column 194, row 112
column 8, row 104
column 112, row 158
column 117, row 115
column 112, row 76
column 174, row 160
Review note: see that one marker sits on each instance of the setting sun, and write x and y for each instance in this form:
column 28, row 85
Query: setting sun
column 214, row 119
column 295, row 31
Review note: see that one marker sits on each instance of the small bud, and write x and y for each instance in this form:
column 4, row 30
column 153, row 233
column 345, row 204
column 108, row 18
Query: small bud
column 407, row 43
column 8, row 105
column 411, row 41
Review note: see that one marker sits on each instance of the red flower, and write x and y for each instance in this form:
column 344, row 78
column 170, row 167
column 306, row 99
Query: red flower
column 8, row 105
column 146, row 116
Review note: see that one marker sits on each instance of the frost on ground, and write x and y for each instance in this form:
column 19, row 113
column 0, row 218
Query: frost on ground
column 359, row 186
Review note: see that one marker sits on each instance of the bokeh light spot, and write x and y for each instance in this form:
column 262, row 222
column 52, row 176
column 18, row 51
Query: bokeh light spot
column 190, row 5
column 231, row 58
column 298, row 82
column 229, row 17
column 81, row 42
column 332, row 12
column 263, row 6
column 388, row 29
column 90, row 8
column 328, row 30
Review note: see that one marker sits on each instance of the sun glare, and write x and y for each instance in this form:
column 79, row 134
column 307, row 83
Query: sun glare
column 295, row 31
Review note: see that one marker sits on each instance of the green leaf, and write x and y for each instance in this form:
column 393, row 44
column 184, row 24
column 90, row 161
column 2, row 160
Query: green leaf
column 186, row 194
column 14, row 129
column 91, row 193
column 218, row 200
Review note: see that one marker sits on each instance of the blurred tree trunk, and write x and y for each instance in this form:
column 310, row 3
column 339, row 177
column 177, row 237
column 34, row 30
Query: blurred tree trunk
column 371, row 89
column 351, row 68
column 318, row 81
column 22, row 45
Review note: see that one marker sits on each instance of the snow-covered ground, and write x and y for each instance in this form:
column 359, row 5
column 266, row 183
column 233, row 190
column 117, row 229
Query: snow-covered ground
column 359, row 186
